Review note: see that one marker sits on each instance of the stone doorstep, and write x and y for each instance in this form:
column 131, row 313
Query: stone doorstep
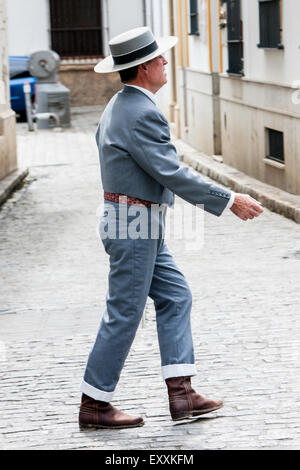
column 9, row 183
column 271, row 197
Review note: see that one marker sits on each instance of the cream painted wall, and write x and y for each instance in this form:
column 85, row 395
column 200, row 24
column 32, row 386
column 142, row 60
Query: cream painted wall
column 199, row 113
column 28, row 26
column 158, row 21
column 198, row 45
column 120, row 16
column 197, row 122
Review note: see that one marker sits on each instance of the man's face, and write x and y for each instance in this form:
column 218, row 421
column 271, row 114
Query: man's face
column 156, row 72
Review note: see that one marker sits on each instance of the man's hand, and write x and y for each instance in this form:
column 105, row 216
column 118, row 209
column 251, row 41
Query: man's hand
column 245, row 207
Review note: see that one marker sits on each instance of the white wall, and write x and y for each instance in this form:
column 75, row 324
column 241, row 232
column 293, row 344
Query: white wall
column 158, row 14
column 29, row 23
column 198, row 45
column 28, row 26
column 279, row 66
column 120, row 16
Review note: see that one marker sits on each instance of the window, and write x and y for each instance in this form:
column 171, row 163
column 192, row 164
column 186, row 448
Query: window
column 234, row 38
column 76, row 28
column 275, row 145
column 194, row 30
column 269, row 24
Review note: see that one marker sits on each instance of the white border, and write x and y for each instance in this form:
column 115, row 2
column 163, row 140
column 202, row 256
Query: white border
column 95, row 393
column 178, row 370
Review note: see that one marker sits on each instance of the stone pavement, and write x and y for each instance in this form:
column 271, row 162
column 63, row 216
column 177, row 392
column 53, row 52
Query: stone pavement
column 246, row 302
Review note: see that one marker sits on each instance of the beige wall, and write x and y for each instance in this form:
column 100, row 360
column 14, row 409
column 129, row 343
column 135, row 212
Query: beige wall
column 8, row 152
column 247, row 108
column 88, row 87
column 198, row 120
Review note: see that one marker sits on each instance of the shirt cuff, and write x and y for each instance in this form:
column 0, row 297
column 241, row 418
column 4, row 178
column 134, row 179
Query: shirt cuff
column 231, row 200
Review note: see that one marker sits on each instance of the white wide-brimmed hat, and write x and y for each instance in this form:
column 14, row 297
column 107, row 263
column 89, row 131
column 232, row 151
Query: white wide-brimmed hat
column 134, row 48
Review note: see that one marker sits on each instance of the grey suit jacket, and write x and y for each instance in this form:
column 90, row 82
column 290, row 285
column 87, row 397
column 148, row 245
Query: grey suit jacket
column 138, row 159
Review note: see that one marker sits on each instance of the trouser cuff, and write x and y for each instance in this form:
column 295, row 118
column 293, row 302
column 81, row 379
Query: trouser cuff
column 178, row 370
column 95, row 393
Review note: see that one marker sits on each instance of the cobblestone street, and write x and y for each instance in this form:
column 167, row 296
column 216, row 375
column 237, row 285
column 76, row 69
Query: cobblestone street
column 245, row 318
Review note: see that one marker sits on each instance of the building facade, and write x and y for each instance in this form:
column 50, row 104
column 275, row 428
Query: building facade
column 234, row 77
column 8, row 150
column 239, row 80
column 260, row 108
column 197, row 109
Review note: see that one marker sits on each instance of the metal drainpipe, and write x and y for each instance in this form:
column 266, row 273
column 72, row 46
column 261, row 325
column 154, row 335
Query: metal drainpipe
column 152, row 16
column 208, row 4
column 174, row 77
column 184, row 32
column 220, row 39
column 107, row 26
column 161, row 15
column 144, row 13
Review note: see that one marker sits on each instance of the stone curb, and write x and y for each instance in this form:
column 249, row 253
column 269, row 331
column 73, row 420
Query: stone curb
column 9, row 183
column 281, row 202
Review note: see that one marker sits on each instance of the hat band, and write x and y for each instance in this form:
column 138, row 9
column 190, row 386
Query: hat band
column 135, row 55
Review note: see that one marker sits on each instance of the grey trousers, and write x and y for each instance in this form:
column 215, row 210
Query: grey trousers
column 139, row 267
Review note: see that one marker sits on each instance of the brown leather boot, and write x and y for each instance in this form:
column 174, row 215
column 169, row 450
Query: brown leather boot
column 94, row 414
column 185, row 402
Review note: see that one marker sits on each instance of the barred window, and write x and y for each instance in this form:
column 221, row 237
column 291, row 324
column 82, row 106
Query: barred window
column 76, row 28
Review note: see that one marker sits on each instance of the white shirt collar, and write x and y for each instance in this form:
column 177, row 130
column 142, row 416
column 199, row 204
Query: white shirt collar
column 147, row 92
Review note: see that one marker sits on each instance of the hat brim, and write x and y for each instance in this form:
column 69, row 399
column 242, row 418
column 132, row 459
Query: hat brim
column 107, row 65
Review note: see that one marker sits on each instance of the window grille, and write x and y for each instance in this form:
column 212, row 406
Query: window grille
column 76, row 29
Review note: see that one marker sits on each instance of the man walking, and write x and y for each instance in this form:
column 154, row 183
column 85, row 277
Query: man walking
column 140, row 167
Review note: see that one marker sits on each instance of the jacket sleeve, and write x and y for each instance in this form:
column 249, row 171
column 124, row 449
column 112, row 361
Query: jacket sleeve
column 153, row 151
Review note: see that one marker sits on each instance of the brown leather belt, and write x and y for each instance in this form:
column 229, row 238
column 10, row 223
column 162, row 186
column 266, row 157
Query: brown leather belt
column 122, row 198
